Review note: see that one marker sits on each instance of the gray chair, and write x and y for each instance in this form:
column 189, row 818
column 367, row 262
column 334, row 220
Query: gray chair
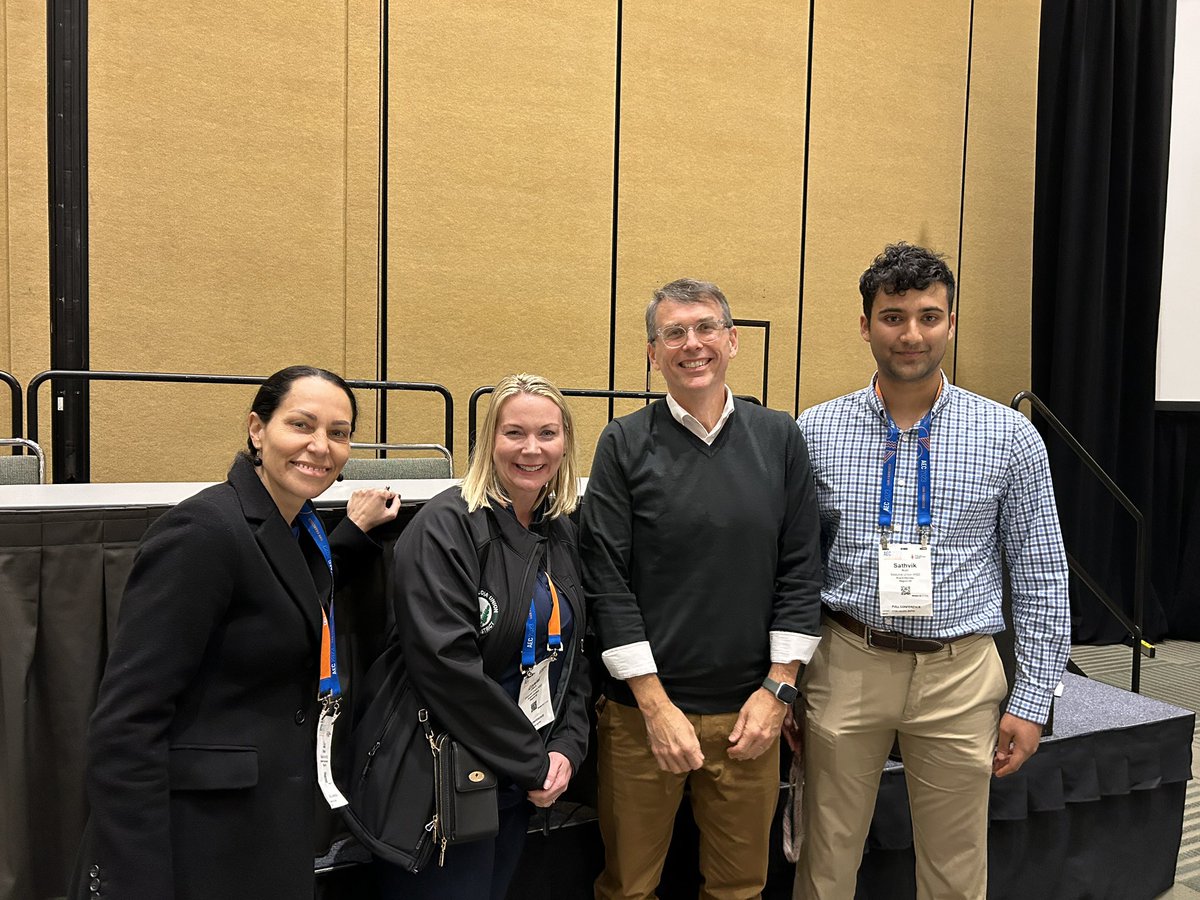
column 399, row 467
column 22, row 469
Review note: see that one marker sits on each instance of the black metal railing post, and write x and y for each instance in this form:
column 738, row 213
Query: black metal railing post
column 1132, row 627
column 18, row 413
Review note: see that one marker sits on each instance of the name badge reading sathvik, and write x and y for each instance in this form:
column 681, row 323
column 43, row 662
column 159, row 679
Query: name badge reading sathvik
column 905, row 580
column 905, row 570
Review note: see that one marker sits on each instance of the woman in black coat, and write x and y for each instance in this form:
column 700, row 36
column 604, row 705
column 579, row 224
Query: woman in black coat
column 464, row 607
column 200, row 760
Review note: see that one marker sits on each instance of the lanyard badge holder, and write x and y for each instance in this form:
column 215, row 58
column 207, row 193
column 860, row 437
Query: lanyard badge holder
column 534, row 697
column 329, row 691
column 905, row 570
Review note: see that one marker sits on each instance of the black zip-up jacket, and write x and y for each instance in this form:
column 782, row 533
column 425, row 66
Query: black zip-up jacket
column 443, row 601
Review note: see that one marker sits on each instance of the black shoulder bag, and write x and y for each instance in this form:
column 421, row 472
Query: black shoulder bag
column 412, row 790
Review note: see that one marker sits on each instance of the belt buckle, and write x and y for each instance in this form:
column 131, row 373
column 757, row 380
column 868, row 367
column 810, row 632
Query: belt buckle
column 869, row 633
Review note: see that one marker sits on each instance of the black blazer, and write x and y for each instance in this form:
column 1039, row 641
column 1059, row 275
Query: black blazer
column 200, row 760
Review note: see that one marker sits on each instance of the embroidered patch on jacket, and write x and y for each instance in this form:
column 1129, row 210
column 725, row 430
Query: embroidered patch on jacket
column 489, row 609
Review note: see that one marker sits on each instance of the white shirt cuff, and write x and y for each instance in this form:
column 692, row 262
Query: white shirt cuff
column 630, row 660
column 788, row 646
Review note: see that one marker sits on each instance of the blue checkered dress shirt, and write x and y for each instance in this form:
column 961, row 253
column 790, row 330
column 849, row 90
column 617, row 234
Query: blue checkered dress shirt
column 990, row 491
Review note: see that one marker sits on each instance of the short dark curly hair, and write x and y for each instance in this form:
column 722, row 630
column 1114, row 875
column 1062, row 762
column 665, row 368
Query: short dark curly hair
column 903, row 267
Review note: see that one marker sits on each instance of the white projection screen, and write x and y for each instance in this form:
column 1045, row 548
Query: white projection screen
column 1179, row 313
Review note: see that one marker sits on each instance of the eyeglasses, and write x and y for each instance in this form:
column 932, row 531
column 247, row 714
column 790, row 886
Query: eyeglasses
column 675, row 336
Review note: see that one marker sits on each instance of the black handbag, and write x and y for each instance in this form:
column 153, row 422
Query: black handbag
column 410, row 789
column 466, row 807
column 387, row 773
column 416, row 791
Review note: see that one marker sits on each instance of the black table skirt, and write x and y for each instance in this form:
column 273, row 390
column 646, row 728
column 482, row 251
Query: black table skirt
column 1096, row 812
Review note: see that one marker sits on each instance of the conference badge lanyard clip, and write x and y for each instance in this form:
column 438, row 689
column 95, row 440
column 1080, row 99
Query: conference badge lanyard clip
column 905, row 570
column 534, row 698
column 329, row 693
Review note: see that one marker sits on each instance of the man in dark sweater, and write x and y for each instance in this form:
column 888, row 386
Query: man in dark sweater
column 701, row 553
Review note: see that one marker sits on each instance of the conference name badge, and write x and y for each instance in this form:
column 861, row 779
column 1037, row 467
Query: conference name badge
column 325, row 782
column 534, row 698
column 905, row 581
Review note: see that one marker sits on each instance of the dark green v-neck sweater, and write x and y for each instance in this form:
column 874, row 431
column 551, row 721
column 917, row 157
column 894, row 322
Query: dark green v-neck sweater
column 701, row 550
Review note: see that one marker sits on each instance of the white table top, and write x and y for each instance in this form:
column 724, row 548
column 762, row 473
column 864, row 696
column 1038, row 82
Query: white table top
column 95, row 496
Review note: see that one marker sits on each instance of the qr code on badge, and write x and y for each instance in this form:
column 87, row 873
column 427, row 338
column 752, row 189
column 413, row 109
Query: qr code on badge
column 905, row 590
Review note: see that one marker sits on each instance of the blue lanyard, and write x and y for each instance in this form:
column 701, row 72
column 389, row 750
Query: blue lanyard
column 553, row 630
column 887, row 482
column 330, row 689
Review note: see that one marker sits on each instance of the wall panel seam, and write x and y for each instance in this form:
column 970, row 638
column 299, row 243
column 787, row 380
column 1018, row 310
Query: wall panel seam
column 804, row 201
column 381, row 245
column 616, row 195
column 962, row 192
column 346, row 188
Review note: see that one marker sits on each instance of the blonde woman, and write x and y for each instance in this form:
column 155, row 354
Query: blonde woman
column 465, row 606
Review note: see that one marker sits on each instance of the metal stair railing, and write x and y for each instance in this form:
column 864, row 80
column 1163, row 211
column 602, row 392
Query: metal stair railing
column 1132, row 626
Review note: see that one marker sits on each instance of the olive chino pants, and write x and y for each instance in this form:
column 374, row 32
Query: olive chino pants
column 733, row 802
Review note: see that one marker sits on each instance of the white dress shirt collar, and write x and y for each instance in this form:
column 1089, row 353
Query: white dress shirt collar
column 692, row 424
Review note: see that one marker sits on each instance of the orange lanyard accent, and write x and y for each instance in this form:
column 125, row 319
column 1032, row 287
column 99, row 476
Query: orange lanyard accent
column 326, row 667
column 554, row 627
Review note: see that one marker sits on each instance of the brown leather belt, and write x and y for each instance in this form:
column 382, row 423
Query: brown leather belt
column 888, row 640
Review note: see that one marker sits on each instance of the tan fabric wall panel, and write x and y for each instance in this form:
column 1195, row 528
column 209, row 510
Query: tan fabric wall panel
column 5, row 303
column 885, row 164
column 220, row 168
column 24, row 291
column 234, row 189
column 994, row 333
column 500, row 199
column 711, row 170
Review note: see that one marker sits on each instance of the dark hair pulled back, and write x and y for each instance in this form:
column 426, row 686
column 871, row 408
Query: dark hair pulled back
column 275, row 388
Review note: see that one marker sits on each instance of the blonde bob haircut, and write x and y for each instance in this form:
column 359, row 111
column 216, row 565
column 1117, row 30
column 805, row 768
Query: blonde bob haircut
column 482, row 482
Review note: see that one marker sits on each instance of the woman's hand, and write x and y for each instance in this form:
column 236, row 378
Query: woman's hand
column 371, row 507
column 557, row 780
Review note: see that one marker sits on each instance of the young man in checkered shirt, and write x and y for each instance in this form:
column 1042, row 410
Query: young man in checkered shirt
column 923, row 489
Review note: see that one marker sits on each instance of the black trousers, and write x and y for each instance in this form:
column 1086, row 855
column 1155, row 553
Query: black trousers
column 471, row 871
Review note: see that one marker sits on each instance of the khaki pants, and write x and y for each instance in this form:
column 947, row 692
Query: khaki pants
column 945, row 708
column 733, row 802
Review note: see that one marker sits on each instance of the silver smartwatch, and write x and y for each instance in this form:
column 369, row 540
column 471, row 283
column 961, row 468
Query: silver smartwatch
column 784, row 693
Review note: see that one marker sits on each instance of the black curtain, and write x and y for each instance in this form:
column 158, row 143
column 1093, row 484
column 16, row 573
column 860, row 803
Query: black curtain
column 1175, row 559
column 1103, row 128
